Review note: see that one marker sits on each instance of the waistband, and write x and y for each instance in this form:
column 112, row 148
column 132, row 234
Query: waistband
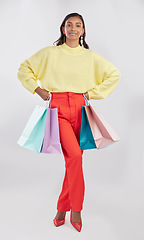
column 65, row 94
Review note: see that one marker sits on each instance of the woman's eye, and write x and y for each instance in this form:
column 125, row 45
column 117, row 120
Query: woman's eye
column 70, row 25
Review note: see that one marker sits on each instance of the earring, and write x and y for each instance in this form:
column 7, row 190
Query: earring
column 81, row 40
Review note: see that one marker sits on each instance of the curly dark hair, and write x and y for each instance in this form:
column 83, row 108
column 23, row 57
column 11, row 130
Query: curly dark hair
column 62, row 38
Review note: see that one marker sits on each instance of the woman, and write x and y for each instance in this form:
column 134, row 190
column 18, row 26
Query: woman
column 69, row 71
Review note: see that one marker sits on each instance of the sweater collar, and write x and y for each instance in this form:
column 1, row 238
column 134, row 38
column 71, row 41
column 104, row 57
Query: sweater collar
column 71, row 50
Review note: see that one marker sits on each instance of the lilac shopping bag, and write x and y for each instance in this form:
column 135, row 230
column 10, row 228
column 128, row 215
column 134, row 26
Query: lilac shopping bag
column 51, row 141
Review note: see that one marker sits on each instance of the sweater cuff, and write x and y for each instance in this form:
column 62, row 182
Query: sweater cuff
column 89, row 94
column 95, row 93
column 35, row 89
column 31, row 85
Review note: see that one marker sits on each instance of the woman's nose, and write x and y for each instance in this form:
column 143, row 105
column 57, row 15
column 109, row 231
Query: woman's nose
column 73, row 28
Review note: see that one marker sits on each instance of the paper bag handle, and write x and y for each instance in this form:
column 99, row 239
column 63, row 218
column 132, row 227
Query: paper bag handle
column 47, row 103
column 86, row 100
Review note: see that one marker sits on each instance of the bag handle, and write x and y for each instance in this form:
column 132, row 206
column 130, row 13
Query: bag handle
column 86, row 100
column 47, row 103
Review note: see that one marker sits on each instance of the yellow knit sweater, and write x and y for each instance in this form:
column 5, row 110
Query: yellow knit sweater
column 65, row 69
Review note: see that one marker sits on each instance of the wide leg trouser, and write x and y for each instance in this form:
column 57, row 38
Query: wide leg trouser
column 69, row 107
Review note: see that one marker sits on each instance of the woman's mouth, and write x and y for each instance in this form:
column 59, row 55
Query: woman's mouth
column 72, row 33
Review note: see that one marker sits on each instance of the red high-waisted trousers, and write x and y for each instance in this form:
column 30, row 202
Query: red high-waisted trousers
column 69, row 107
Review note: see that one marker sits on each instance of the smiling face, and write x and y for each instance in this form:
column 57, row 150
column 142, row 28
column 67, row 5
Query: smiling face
column 73, row 29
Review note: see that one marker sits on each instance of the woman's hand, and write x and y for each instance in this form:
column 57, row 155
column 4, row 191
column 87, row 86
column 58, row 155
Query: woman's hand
column 86, row 95
column 43, row 93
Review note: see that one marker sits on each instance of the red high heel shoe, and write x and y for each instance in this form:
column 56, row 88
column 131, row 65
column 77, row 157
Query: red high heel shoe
column 76, row 225
column 58, row 222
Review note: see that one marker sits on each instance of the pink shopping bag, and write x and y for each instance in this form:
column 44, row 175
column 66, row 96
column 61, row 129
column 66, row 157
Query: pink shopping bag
column 102, row 132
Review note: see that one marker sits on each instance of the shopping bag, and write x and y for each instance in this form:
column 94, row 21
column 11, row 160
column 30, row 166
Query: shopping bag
column 33, row 133
column 51, row 141
column 102, row 132
column 86, row 137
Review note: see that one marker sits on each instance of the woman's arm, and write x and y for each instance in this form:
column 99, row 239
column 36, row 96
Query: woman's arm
column 106, row 78
column 86, row 95
column 43, row 93
column 29, row 70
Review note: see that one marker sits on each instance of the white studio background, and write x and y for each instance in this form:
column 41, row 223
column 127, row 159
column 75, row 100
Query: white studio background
column 114, row 176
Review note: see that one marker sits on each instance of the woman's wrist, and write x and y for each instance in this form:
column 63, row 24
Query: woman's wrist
column 38, row 90
column 86, row 95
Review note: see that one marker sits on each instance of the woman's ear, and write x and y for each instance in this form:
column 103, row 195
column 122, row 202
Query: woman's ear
column 82, row 31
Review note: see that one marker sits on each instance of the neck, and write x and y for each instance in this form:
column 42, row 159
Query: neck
column 71, row 50
column 72, row 44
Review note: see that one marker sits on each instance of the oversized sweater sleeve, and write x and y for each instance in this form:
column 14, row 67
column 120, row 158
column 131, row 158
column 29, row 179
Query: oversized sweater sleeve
column 29, row 70
column 106, row 78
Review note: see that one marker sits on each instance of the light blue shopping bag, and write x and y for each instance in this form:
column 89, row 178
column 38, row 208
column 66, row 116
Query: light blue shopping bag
column 33, row 133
